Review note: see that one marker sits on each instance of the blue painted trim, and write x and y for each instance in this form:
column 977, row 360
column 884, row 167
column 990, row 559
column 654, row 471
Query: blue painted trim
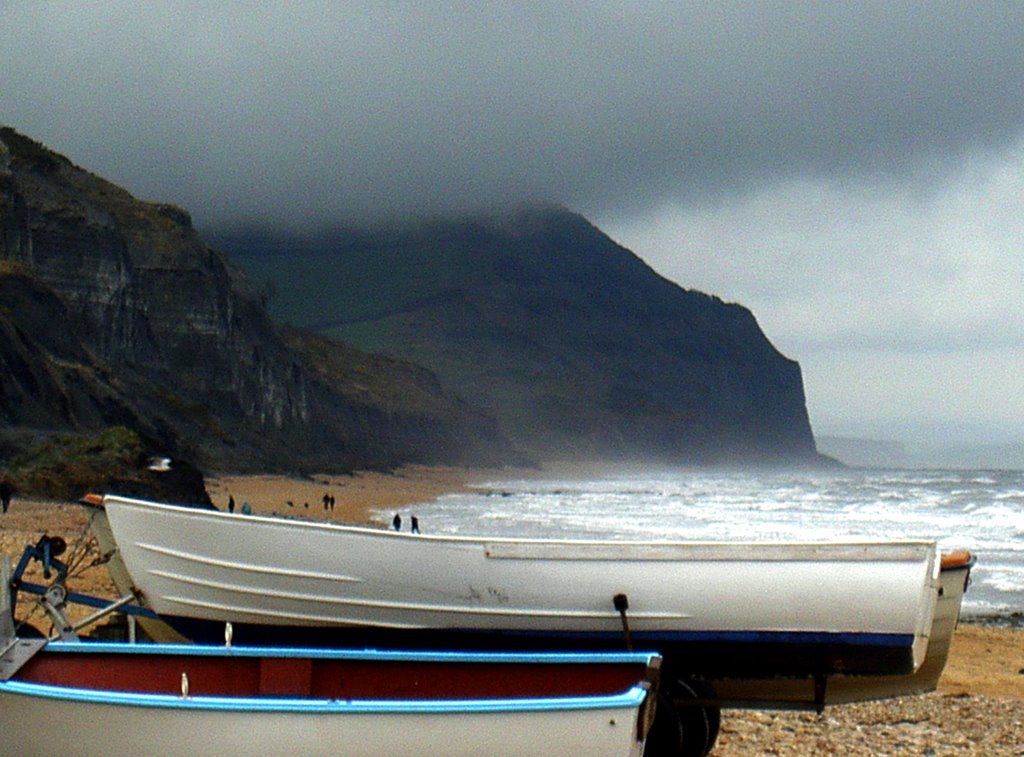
column 89, row 601
column 375, row 655
column 656, row 638
column 653, row 638
column 819, row 638
column 631, row 698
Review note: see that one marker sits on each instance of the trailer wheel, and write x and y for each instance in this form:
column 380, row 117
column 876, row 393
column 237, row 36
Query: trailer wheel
column 665, row 739
column 694, row 717
column 712, row 711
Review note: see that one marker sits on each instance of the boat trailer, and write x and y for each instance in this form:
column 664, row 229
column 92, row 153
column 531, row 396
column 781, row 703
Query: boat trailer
column 54, row 596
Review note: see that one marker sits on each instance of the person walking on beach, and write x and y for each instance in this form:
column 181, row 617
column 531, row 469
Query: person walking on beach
column 231, row 504
column 6, row 492
column 397, row 522
column 415, row 525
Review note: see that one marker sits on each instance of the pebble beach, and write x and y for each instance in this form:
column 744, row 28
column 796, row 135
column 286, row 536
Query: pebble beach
column 977, row 710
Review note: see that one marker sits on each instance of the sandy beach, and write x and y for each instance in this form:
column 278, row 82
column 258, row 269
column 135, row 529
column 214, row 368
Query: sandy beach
column 978, row 709
column 356, row 496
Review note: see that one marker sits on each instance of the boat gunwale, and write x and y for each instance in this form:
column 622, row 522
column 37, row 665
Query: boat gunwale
column 370, row 655
column 908, row 550
column 632, row 698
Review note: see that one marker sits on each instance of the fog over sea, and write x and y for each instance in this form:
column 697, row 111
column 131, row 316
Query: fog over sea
column 980, row 510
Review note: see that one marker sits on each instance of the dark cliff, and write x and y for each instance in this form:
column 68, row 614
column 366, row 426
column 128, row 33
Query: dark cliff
column 150, row 308
column 534, row 327
column 571, row 341
column 48, row 378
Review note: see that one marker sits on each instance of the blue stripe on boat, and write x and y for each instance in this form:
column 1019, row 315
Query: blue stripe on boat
column 654, row 638
column 382, row 655
column 630, row 698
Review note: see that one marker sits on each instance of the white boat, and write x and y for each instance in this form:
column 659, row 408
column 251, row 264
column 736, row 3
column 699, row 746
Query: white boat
column 842, row 689
column 102, row 699
column 154, row 628
column 714, row 610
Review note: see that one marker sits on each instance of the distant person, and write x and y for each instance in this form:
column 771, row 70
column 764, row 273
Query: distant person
column 231, row 504
column 332, row 503
column 6, row 492
column 327, row 501
column 246, row 508
column 415, row 525
column 397, row 522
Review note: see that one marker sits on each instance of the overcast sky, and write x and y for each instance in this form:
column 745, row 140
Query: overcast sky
column 852, row 172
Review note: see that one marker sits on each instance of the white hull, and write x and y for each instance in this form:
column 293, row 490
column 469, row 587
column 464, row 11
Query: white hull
column 47, row 719
column 154, row 628
column 739, row 692
column 33, row 725
column 273, row 571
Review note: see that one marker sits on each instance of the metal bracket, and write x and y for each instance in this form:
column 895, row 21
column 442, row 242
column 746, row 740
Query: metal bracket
column 54, row 601
column 621, row 603
column 820, row 682
column 6, row 602
column 17, row 654
column 14, row 652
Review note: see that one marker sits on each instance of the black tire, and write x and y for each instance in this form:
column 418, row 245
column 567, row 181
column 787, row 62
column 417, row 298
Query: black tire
column 694, row 718
column 713, row 712
column 665, row 738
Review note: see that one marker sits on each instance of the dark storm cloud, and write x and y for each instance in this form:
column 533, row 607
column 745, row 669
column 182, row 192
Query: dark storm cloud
column 852, row 171
column 304, row 112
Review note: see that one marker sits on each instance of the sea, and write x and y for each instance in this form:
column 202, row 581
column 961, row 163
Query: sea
column 978, row 510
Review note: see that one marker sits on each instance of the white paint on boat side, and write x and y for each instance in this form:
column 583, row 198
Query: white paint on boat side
column 222, row 567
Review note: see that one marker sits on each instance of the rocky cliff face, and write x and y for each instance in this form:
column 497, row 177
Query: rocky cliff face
column 576, row 346
column 48, row 378
column 152, row 301
column 555, row 337
column 144, row 289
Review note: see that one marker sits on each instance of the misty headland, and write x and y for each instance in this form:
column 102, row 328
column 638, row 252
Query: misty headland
column 515, row 339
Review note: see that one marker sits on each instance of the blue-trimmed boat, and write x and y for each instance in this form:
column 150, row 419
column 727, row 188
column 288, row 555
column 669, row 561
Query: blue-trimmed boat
column 776, row 624
column 89, row 698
